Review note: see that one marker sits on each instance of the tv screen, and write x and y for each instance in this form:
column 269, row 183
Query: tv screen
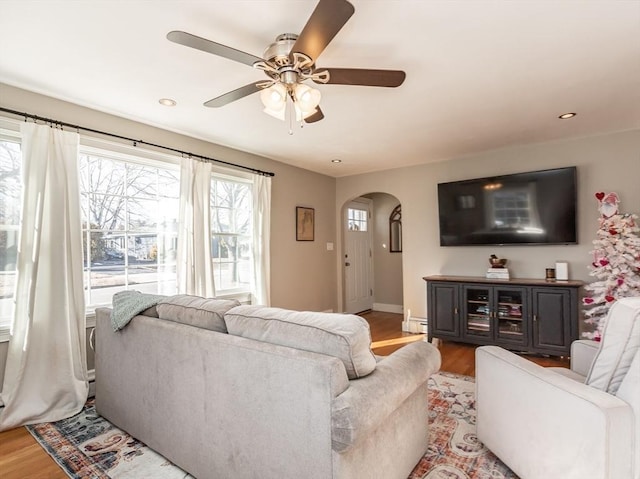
column 538, row 207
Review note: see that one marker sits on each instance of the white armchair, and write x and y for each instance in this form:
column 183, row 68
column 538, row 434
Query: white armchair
column 578, row 423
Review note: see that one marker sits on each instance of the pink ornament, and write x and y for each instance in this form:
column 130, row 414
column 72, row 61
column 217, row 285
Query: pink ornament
column 600, row 195
column 620, row 281
column 613, row 231
column 588, row 300
column 604, row 262
column 609, row 299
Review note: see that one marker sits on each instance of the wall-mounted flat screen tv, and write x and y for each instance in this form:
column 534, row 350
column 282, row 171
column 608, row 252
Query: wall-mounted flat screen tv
column 534, row 208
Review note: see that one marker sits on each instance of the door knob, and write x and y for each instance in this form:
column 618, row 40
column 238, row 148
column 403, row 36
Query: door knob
column 347, row 264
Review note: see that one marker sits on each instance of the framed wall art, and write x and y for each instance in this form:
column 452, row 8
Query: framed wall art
column 305, row 223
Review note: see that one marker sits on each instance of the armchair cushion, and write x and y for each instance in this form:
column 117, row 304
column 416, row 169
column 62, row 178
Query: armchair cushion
column 629, row 391
column 583, row 352
column 620, row 343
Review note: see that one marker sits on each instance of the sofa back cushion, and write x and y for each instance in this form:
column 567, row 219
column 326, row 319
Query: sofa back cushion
column 343, row 336
column 206, row 313
column 620, row 343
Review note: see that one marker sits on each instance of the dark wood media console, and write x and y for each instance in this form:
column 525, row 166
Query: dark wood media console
column 528, row 315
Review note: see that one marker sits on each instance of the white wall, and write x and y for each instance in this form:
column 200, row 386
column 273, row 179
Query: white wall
column 605, row 163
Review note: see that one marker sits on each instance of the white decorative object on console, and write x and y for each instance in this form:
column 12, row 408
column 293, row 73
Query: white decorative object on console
column 562, row 270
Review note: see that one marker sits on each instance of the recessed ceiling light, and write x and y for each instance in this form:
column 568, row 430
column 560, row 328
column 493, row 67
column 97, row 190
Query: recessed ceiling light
column 566, row 116
column 336, row 161
column 167, row 102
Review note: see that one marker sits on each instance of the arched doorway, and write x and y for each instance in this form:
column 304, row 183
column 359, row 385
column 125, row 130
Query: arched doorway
column 372, row 254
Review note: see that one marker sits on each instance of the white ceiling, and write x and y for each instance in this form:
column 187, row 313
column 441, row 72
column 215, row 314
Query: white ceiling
column 480, row 74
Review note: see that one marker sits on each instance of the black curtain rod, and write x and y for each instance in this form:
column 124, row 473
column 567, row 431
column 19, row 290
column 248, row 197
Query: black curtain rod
column 133, row 140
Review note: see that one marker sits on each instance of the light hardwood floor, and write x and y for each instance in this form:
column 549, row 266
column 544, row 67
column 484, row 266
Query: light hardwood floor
column 21, row 457
column 459, row 358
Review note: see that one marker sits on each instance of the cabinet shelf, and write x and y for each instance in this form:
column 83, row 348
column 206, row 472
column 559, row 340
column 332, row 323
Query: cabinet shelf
column 507, row 309
column 510, row 333
column 478, row 328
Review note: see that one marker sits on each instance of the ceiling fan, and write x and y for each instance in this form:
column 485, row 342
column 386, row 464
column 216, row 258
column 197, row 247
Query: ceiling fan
column 290, row 61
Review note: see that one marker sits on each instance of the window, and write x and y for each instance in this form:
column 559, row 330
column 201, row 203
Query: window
column 129, row 225
column 356, row 219
column 129, row 208
column 231, row 231
column 10, row 205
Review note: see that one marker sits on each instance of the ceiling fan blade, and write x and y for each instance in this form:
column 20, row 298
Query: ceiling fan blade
column 234, row 95
column 356, row 76
column 317, row 116
column 199, row 43
column 325, row 22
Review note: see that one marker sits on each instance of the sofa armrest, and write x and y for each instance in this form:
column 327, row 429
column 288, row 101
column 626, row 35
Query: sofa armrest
column 370, row 400
column 543, row 424
column 583, row 352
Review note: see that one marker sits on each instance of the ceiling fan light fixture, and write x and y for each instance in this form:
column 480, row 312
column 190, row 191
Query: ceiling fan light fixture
column 279, row 114
column 307, row 98
column 302, row 115
column 274, row 98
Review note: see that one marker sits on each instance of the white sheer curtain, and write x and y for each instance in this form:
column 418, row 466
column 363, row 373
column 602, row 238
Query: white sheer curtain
column 261, row 237
column 46, row 375
column 195, row 265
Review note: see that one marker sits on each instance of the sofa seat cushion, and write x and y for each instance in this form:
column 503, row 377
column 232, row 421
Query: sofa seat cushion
column 620, row 343
column 343, row 336
column 206, row 313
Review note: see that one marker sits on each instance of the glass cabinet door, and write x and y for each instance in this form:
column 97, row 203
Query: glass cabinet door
column 509, row 313
column 476, row 319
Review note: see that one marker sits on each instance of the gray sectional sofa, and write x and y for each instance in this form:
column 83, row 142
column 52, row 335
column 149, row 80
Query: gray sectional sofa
column 230, row 391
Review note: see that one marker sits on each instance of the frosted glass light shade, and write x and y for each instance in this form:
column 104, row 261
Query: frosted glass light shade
column 307, row 99
column 304, row 115
column 279, row 114
column 275, row 97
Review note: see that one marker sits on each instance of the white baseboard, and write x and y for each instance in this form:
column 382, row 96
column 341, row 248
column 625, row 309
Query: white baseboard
column 388, row 308
column 415, row 325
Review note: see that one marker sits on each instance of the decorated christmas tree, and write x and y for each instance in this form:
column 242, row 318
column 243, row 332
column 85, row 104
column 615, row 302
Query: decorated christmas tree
column 616, row 262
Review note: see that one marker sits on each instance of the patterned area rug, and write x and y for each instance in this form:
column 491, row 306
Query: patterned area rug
column 88, row 446
column 454, row 450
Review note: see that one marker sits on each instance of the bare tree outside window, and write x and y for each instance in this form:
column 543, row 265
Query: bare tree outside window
column 232, row 230
column 129, row 225
column 130, row 219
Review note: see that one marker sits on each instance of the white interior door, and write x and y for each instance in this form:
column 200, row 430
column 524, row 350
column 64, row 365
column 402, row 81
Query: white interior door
column 357, row 259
